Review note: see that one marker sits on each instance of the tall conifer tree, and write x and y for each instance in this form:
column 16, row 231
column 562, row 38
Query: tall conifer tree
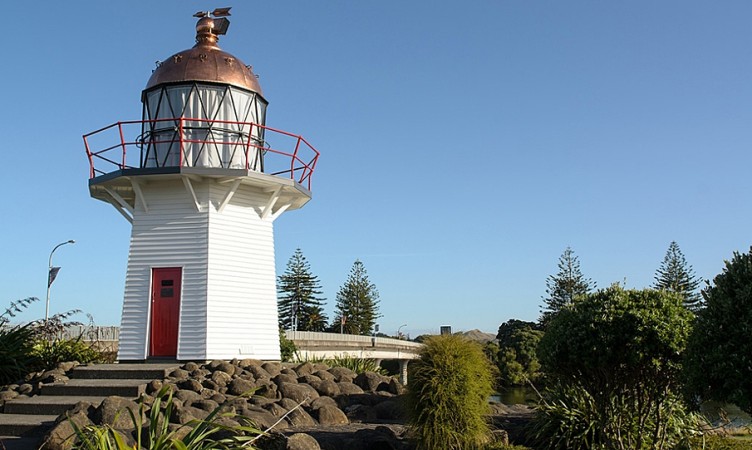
column 674, row 275
column 298, row 306
column 565, row 286
column 357, row 303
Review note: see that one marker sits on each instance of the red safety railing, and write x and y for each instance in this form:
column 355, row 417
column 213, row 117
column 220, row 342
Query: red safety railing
column 279, row 153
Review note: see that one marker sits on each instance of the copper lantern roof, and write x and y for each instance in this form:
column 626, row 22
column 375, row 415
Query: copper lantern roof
column 205, row 61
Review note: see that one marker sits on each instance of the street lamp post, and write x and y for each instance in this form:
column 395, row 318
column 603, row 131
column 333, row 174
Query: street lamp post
column 399, row 335
column 50, row 277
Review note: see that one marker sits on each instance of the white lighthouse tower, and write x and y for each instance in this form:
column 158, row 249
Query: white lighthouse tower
column 201, row 179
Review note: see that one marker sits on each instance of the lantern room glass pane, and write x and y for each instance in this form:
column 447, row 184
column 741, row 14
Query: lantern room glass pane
column 218, row 127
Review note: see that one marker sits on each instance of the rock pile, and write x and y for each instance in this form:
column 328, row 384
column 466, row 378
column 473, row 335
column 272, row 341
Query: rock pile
column 278, row 397
column 32, row 383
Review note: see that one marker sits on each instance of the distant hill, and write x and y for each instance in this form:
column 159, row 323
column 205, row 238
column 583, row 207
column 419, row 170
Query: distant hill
column 479, row 336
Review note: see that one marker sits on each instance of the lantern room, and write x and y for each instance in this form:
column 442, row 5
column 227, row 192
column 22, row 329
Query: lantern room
column 200, row 106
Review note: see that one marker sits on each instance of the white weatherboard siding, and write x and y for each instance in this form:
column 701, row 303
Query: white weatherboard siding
column 228, row 305
column 242, row 300
column 171, row 234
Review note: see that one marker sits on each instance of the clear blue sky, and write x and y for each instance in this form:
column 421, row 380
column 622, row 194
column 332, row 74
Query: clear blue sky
column 464, row 145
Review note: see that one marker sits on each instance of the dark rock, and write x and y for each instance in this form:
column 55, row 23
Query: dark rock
column 289, row 371
column 239, row 386
column 67, row 366
column 259, row 373
column 361, row 413
column 300, row 393
column 53, row 376
column 328, row 388
column 277, row 410
column 342, row 374
column 191, row 366
column 309, row 379
column 396, row 388
column 221, row 378
column 370, row 381
column 223, row 366
column 380, row 438
column 179, row 374
column 190, row 385
column 346, row 388
column 205, row 404
column 8, row 395
column 25, row 389
column 267, row 389
column 247, row 362
column 219, row 398
column 262, row 419
column 320, row 366
column 299, row 418
column 391, row 410
column 153, row 386
column 187, row 396
column 285, row 378
column 272, row 441
column 302, row 441
column 210, row 384
column 113, row 411
column 62, row 436
column 305, row 368
column 323, row 401
column 272, row 368
column 331, row 415
column 324, row 375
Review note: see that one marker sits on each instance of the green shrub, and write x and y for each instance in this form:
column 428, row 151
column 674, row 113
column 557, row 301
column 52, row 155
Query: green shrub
column 448, row 392
column 357, row 365
column 16, row 359
column 287, row 347
column 50, row 353
column 614, row 359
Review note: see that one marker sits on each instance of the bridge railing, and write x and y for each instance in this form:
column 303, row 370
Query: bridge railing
column 352, row 339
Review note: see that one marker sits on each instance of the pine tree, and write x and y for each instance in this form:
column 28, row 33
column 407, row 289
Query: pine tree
column 564, row 287
column 674, row 275
column 357, row 303
column 298, row 305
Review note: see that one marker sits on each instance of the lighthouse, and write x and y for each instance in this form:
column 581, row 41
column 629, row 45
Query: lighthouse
column 201, row 179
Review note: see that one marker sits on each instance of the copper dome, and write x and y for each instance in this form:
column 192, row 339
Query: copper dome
column 205, row 62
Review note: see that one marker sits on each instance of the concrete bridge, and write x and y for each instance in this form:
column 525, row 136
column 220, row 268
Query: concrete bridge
column 314, row 345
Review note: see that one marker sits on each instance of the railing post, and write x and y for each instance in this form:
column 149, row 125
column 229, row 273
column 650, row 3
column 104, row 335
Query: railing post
column 122, row 143
column 294, row 157
column 182, row 150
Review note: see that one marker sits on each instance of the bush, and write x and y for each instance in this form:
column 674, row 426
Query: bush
column 16, row 359
column 448, row 392
column 50, row 353
column 719, row 353
column 614, row 359
column 287, row 347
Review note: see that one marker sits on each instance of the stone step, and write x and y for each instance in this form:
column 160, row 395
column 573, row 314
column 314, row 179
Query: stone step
column 146, row 371
column 20, row 443
column 25, row 424
column 47, row 404
column 96, row 388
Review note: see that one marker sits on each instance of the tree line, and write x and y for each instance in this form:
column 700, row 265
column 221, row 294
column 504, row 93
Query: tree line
column 301, row 307
column 625, row 368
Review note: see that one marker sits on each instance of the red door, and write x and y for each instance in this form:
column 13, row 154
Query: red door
column 165, row 311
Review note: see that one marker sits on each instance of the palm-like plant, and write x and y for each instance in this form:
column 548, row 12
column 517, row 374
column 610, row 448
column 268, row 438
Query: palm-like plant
column 204, row 434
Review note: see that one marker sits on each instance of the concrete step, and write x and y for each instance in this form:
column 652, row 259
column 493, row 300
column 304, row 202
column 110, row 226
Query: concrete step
column 146, row 371
column 20, row 443
column 25, row 424
column 96, row 388
column 47, row 404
